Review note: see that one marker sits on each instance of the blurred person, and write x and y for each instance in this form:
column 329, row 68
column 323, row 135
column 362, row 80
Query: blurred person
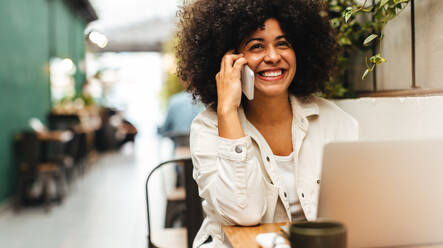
column 177, row 125
column 259, row 160
column 181, row 111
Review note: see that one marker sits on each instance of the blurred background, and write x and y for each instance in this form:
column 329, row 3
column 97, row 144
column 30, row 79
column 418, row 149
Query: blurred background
column 90, row 104
column 84, row 89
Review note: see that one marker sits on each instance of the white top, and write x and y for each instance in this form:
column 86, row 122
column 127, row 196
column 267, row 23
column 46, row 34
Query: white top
column 286, row 168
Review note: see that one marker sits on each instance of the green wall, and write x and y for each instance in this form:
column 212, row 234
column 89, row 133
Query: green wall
column 78, row 52
column 68, row 32
column 25, row 48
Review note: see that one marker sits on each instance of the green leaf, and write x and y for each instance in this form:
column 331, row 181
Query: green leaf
column 344, row 41
column 365, row 75
column 335, row 22
column 377, row 59
column 369, row 39
column 348, row 15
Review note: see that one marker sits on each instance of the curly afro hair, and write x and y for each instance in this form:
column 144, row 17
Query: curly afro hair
column 210, row 28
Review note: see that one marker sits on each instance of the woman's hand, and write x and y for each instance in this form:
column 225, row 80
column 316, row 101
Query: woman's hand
column 229, row 82
column 229, row 95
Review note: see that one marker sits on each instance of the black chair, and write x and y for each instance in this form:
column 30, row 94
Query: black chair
column 33, row 163
column 194, row 212
column 75, row 153
column 179, row 138
column 70, row 158
column 176, row 205
column 63, row 121
column 105, row 136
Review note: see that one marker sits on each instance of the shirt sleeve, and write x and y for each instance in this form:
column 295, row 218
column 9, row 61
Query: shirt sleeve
column 228, row 175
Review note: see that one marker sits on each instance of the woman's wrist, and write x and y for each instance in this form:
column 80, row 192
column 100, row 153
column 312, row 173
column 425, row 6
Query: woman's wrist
column 226, row 110
column 229, row 124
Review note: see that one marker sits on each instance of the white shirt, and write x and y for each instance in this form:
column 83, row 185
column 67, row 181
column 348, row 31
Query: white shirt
column 286, row 169
column 239, row 180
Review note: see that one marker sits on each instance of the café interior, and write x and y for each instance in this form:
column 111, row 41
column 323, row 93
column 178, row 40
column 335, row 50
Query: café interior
column 88, row 159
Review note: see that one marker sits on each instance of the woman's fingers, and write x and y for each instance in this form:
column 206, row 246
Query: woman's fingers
column 228, row 60
column 222, row 64
column 228, row 80
column 239, row 64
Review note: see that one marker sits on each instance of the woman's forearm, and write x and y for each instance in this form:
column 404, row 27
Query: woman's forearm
column 229, row 126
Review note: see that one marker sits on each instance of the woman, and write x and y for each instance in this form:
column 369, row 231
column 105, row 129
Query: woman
column 260, row 160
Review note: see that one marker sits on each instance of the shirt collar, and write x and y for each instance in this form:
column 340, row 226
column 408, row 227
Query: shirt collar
column 303, row 106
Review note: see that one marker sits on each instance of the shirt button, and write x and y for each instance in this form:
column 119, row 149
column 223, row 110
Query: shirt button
column 267, row 158
column 302, row 195
column 318, row 181
column 285, row 194
column 238, row 149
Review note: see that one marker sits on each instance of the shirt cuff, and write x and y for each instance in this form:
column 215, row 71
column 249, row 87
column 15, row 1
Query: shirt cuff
column 233, row 149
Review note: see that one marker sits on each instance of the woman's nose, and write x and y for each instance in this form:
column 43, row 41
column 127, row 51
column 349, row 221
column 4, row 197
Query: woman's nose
column 272, row 55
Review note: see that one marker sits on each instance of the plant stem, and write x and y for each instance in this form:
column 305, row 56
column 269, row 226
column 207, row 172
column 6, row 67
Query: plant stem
column 363, row 6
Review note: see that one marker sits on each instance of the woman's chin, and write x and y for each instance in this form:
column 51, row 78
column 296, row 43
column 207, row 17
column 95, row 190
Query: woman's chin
column 271, row 90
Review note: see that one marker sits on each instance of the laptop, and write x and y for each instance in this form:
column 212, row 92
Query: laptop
column 387, row 193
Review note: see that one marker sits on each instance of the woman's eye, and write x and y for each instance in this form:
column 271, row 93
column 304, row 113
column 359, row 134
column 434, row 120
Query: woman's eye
column 255, row 46
column 283, row 44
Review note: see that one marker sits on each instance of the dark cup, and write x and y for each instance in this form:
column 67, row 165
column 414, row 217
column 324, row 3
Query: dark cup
column 317, row 234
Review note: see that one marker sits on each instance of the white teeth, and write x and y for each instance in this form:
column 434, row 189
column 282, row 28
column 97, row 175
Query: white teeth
column 272, row 73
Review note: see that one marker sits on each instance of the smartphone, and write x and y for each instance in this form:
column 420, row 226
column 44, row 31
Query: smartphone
column 247, row 82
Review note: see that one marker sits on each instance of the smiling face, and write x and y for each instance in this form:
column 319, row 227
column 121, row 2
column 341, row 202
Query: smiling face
column 271, row 57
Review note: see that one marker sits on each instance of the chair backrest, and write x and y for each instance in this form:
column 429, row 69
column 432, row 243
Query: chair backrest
column 179, row 138
column 67, row 122
column 27, row 149
column 194, row 211
column 62, row 122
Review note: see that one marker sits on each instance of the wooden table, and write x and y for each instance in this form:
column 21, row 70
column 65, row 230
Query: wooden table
column 51, row 135
column 244, row 236
column 55, row 135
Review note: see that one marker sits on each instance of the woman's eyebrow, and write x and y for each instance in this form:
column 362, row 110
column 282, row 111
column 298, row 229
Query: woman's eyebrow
column 261, row 39
column 257, row 39
column 280, row 37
